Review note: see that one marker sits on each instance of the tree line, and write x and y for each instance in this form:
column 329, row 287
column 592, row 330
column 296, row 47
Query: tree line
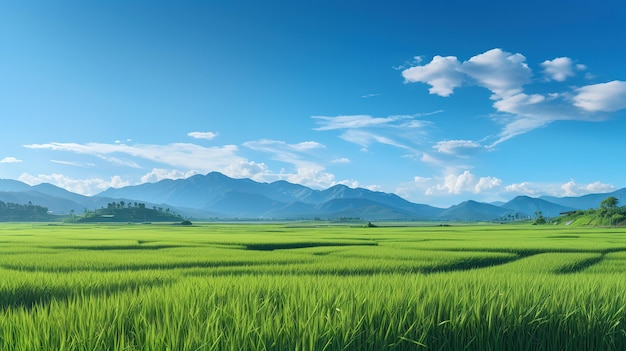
column 13, row 212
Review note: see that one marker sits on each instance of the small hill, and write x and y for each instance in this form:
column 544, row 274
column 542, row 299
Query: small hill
column 609, row 214
column 129, row 215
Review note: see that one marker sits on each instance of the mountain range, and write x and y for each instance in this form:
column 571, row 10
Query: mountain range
column 216, row 196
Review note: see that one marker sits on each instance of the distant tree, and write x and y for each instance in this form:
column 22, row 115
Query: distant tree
column 609, row 203
column 617, row 218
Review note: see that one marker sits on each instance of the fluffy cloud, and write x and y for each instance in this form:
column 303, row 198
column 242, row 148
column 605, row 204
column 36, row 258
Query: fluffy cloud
column 442, row 74
column 10, row 160
column 560, row 68
column 505, row 75
column 572, row 189
column 602, row 97
column 202, row 135
column 248, row 169
column 501, row 72
column 525, row 188
column 87, row 187
column 465, row 182
column 158, row 174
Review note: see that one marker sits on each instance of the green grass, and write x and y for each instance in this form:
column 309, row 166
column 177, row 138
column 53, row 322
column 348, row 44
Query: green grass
column 306, row 287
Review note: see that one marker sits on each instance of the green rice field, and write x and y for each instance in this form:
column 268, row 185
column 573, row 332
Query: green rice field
column 305, row 286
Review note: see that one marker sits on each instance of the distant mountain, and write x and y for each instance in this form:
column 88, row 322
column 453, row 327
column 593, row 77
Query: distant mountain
column 13, row 185
column 527, row 206
column 473, row 211
column 585, row 202
column 215, row 195
column 230, row 197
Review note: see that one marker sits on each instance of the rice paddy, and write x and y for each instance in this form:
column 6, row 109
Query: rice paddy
column 283, row 286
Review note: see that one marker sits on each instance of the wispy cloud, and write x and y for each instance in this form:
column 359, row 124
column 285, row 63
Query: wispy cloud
column 9, row 159
column 401, row 131
column 458, row 147
column 188, row 156
column 366, row 96
column 341, row 160
column 74, row 163
column 285, row 152
column 506, row 74
column 202, row 135
column 365, row 138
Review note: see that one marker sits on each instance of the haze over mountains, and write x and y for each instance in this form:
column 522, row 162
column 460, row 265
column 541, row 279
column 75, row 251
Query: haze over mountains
column 216, row 196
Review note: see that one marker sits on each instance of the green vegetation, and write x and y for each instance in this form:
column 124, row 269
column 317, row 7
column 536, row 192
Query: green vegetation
column 12, row 212
column 129, row 213
column 310, row 286
column 608, row 214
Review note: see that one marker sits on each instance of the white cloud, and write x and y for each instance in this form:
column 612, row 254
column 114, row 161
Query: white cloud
column 202, row 135
column 525, row 188
column 365, row 138
column 457, row 147
column 311, row 177
column 184, row 155
column 505, row 75
column 341, row 160
column 487, row 183
column 369, row 95
column 501, row 72
column 465, row 182
column 442, row 74
column 358, row 121
column 86, row 187
column 158, row 174
column 602, row 97
column 290, row 153
column 74, row 163
column 9, row 159
column 572, row 189
column 248, row 169
column 560, row 68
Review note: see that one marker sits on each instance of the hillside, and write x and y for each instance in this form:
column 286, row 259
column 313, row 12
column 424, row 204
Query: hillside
column 137, row 214
column 607, row 214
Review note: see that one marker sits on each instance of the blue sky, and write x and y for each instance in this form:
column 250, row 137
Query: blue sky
column 438, row 102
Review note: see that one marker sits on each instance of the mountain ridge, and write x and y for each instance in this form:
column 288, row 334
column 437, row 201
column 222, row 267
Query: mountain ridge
column 215, row 195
